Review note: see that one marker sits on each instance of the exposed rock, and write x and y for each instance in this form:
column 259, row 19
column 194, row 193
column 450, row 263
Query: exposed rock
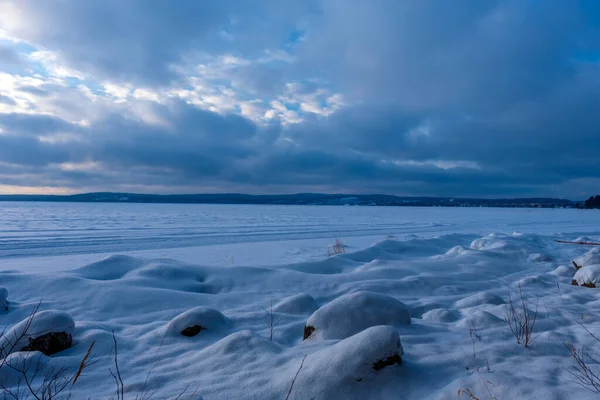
column 50, row 343
column 386, row 362
column 584, row 284
column 308, row 330
column 192, row 330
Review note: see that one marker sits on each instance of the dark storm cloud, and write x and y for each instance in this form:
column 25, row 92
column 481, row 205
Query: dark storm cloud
column 476, row 97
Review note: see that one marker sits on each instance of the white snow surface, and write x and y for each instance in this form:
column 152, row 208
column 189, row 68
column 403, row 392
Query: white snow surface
column 145, row 272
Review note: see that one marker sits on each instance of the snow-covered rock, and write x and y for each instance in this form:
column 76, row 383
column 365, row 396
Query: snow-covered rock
column 42, row 324
column 302, row 303
column 3, row 299
column 349, row 314
column 349, row 368
column 592, row 257
column 587, row 276
column 197, row 319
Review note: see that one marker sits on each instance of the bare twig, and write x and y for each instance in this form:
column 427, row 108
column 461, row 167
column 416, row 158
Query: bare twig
column 271, row 320
column 294, row 380
column 117, row 374
column 581, row 371
column 337, row 248
column 520, row 319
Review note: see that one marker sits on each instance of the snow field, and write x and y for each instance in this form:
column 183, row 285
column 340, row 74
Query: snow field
column 437, row 304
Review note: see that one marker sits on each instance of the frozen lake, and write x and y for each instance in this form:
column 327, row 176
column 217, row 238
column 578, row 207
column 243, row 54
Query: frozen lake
column 51, row 229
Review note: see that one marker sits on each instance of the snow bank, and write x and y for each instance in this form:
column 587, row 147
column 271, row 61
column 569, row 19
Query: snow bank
column 110, row 268
column 352, row 313
column 42, row 323
column 589, row 276
column 3, row 299
column 302, row 303
column 350, row 369
column 194, row 321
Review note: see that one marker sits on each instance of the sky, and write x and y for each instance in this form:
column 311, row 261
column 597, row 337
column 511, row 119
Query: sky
column 480, row 98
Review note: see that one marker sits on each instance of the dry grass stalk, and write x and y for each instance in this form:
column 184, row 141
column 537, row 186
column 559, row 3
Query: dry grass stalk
column 521, row 319
column 337, row 248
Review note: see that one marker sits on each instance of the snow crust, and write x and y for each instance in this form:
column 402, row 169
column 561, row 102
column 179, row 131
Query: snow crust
column 452, row 268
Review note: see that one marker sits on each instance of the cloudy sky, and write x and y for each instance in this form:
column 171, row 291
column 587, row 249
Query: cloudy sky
column 410, row 97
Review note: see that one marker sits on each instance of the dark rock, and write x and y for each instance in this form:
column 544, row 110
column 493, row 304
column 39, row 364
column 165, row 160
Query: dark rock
column 388, row 361
column 192, row 330
column 585, row 284
column 50, row 343
column 308, row 330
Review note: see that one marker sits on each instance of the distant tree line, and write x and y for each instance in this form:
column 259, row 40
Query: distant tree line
column 593, row 202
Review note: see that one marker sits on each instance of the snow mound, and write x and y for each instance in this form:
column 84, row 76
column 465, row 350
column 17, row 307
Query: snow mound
column 562, row 270
column 3, row 299
column 110, row 268
column 349, row 369
column 238, row 348
column 538, row 258
column 204, row 318
column 588, row 276
column 441, row 315
column 355, row 312
column 42, row 323
column 458, row 251
column 527, row 247
column 479, row 299
column 592, row 257
column 302, row 303
column 479, row 319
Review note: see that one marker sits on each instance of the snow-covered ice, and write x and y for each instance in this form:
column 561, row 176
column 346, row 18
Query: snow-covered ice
column 148, row 272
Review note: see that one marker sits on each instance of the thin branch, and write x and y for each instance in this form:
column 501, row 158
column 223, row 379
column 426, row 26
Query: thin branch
column 580, row 242
column 297, row 372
